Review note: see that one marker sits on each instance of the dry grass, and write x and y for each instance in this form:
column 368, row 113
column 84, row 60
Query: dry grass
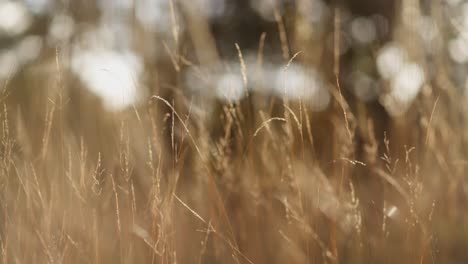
column 264, row 180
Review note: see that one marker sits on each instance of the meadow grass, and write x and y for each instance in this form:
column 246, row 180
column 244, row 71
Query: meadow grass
column 262, row 180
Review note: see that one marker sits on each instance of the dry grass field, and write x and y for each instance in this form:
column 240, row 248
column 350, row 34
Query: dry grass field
column 210, row 131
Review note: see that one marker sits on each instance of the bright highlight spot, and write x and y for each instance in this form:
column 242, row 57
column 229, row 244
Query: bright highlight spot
column 297, row 83
column 390, row 60
column 14, row 18
column 407, row 83
column 110, row 75
column 230, row 87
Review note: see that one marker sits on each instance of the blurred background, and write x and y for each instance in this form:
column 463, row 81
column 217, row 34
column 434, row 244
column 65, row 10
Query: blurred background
column 243, row 131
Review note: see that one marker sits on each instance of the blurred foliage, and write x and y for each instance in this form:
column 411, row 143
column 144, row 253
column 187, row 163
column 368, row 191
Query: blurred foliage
column 246, row 131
